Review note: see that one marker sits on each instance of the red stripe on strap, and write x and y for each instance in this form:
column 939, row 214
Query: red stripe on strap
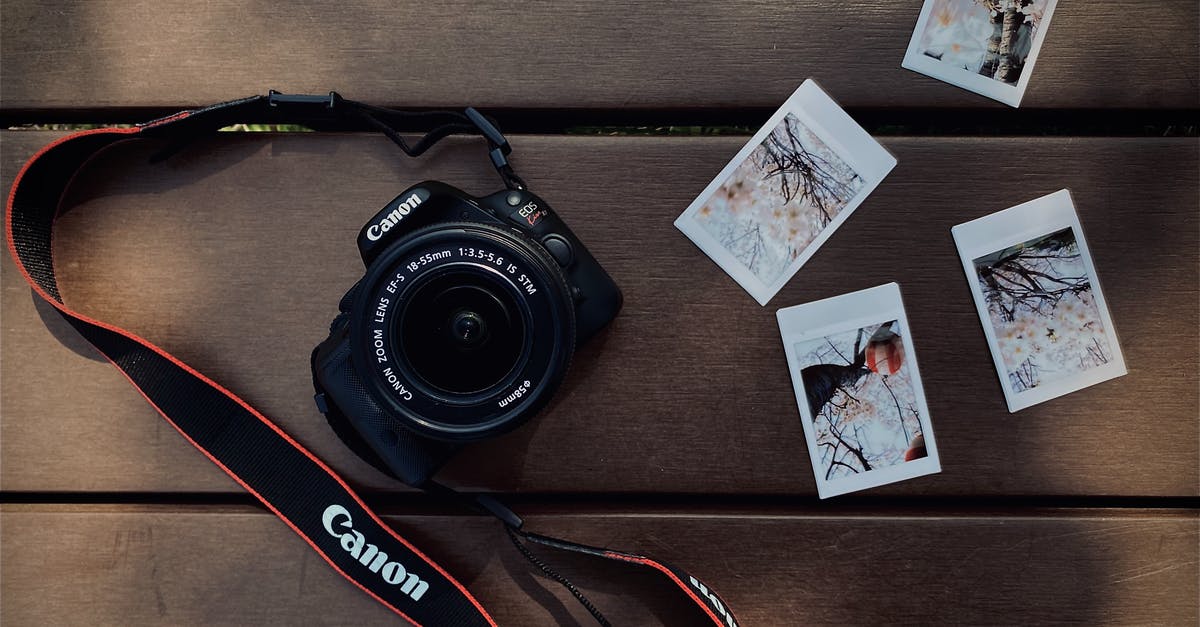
column 8, row 214
column 645, row 561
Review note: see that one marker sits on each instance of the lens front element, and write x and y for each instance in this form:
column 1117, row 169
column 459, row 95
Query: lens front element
column 462, row 331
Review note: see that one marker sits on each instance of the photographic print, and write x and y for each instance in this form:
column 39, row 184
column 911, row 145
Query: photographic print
column 1041, row 306
column 778, row 201
column 785, row 192
column 859, row 390
column 985, row 46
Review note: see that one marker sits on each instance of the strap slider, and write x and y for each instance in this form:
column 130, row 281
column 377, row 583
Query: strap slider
column 489, row 130
column 499, row 148
column 308, row 103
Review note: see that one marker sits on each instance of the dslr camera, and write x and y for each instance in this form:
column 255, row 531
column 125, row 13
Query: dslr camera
column 462, row 327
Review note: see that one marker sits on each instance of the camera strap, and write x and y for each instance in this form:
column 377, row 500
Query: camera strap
column 307, row 495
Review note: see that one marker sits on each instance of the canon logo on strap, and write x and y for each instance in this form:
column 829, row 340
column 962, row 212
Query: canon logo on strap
column 376, row 231
column 369, row 555
column 714, row 601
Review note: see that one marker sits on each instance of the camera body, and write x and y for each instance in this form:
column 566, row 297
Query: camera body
column 462, row 327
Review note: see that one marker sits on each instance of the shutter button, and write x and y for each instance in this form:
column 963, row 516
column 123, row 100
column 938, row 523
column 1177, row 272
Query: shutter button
column 513, row 199
column 558, row 248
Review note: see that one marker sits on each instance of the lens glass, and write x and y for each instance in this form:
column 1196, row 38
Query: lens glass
column 461, row 331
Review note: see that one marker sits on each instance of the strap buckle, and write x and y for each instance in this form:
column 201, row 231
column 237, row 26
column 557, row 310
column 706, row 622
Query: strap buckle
column 306, row 104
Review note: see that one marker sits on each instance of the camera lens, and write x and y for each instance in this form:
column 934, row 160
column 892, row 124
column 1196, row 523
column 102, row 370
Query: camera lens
column 461, row 331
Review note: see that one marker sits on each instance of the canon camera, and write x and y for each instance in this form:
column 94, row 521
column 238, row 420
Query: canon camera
column 462, row 328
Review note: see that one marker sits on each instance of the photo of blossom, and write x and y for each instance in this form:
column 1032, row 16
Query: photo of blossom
column 785, row 193
column 777, row 201
column 992, row 38
column 985, row 46
column 1034, row 284
column 862, row 400
column 859, row 391
column 1041, row 305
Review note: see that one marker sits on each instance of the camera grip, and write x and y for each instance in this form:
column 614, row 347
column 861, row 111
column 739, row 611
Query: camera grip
column 364, row 427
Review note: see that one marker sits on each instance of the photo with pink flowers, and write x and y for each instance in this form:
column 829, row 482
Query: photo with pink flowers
column 776, row 203
column 862, row 400
column 786, row 191
column 858, row 388
column 992, row 38
column 1041, row 305
column 985, row 46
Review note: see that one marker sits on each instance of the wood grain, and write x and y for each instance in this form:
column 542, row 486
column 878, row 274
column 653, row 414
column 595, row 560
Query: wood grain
column 156, row 565
column 233, row 255
column 574, row 55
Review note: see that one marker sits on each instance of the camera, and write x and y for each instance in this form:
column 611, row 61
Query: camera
column 462, row 328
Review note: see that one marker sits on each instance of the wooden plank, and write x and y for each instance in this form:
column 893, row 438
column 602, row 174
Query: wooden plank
column 580, row 54
column 233, row 256
column 96, row 565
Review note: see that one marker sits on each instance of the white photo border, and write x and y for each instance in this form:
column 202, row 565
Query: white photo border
column 829, row 316
column 1011, row 95
column 833, row 126
column 1022, row 223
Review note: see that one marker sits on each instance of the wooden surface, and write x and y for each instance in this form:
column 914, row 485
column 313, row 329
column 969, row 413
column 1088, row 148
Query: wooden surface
column 180, row 254
column 220, row 281
column 125, row 565
column 676, row 433
column 619, row 54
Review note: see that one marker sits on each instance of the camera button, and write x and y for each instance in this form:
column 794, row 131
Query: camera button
column 513, row 199
column 322, row 403
column 559, row 248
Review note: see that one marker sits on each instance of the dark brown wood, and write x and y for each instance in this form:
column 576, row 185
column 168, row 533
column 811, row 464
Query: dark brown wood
column 676, row 434
column 574, row 55
column 193, row 566
column 233, row 256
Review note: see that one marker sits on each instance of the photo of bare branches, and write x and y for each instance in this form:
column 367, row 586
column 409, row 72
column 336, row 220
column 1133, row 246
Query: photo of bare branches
column 1041, row 305
column 863, row 403
column 992, row 38
column 777, row 201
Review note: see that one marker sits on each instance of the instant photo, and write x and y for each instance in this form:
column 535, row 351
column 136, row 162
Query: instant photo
column 785, row 192
column 1039, row 300
column 985, row 46
column 859, row 390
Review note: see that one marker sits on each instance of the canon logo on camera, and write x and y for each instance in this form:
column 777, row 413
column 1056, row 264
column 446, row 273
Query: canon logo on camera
column 369, row 555
column 392, row 219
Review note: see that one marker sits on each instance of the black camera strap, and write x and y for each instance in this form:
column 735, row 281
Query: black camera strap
column 300, row 489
